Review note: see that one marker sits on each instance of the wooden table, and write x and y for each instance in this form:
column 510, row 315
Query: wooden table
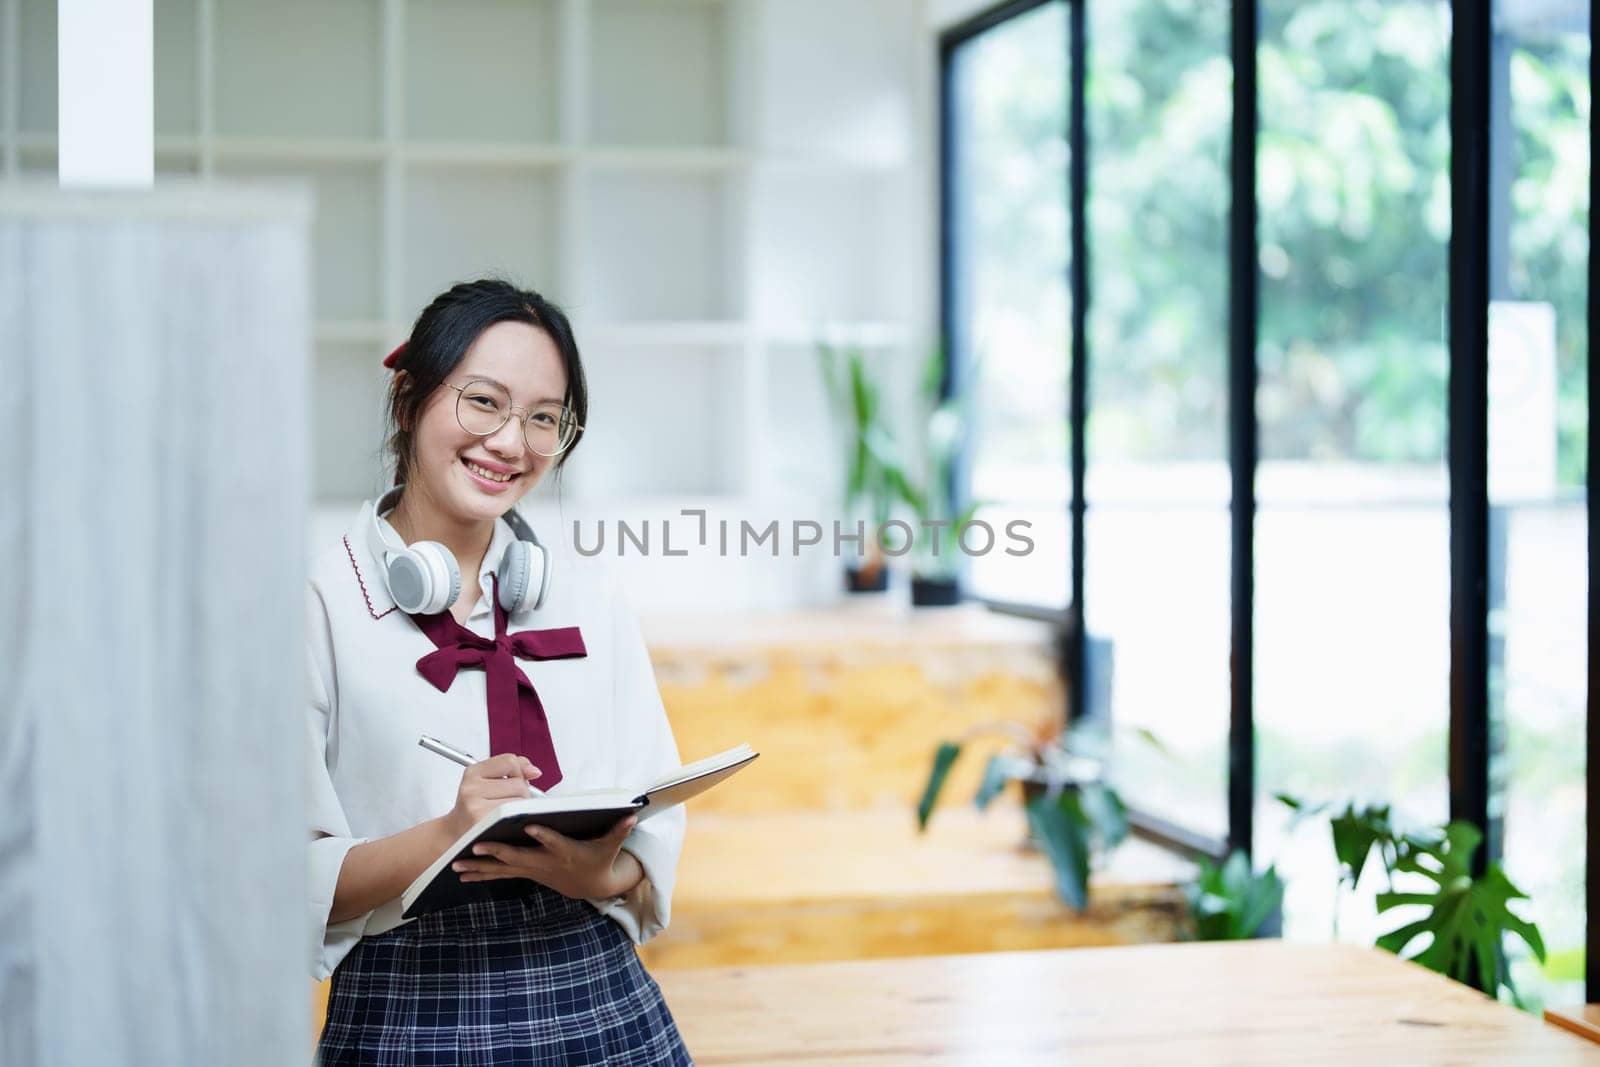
column 1264, row 1002
column 806, row 887
column 1583, row 1020
column 847, row 705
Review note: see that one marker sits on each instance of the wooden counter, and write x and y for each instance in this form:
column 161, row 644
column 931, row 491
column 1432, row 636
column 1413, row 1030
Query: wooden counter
column 1261, row 1003
column 806, row 886
column 812, row 854
column 1583, row 1020
column 846, row 705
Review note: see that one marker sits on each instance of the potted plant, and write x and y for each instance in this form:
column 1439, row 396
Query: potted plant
column 1229, row 901
column 935, row 574
column 871, row 473
column 1466, row 918
column 1072, row 810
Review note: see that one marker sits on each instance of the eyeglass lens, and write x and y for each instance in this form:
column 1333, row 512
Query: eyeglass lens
column 483, row 407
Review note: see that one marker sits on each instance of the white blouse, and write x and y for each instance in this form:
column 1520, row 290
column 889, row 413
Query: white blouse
column 368, row 705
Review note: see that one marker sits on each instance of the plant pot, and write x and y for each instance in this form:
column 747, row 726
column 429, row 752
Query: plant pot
column 866, row 579
column 934, row 592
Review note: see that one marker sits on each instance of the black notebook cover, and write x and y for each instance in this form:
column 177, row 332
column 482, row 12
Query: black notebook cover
column 447, row 890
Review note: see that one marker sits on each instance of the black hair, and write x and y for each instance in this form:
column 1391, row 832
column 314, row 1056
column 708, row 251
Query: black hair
column 439, row 341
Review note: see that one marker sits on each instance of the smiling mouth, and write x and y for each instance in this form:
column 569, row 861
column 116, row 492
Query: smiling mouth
column 489, row 475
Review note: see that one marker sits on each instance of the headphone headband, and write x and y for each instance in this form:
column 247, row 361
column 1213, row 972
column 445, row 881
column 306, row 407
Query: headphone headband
column 379, row 532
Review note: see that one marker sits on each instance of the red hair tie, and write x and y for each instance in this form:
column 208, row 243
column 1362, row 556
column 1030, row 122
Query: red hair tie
column 394, row 357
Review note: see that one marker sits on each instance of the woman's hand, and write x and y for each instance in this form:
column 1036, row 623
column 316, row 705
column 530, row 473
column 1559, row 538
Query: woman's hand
column 573, row 868
column 488, row 784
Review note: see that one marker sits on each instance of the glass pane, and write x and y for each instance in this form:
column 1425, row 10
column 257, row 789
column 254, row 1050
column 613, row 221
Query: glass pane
column 1157, row 530
column 1009, row 298
column 1538, row 422
column 1352, row 568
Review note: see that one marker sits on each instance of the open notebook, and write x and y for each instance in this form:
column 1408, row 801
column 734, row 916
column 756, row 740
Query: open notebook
column 586, row 814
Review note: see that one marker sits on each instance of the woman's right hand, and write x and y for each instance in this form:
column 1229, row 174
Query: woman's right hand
column 486, row 785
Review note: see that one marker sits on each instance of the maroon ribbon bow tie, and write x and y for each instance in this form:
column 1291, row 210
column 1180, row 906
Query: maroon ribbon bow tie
column 517, row 720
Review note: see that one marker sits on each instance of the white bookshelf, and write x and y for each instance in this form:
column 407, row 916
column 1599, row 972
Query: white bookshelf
column 707, row 186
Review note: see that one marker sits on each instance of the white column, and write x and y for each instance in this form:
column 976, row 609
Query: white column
column 154, row 349
column 106, row 92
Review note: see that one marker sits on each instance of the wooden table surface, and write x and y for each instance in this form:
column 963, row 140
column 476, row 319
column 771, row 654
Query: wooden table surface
column 870, row 623
column 1264, row 1002
column 788, row 857
column 1581, row 1019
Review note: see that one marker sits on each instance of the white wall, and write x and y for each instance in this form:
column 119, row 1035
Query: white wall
column 942, row 14
column 708, row 185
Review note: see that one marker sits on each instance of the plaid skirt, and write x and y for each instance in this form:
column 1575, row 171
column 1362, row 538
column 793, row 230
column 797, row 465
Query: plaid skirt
column 533, row 980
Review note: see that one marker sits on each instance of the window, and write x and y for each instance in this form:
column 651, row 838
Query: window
column 1006, row 289
column 1156, row 551
column 1352, row 659
column 1538, row 425
column 1353, row 647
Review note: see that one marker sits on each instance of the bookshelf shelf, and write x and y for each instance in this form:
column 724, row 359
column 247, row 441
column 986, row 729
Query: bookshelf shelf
column 708, row 187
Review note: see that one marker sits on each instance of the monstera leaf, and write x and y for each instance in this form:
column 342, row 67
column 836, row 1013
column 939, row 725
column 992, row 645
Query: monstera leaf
column 1467, row 918
column 1356, row 832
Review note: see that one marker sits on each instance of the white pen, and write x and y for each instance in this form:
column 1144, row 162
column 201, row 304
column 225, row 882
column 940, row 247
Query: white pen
column 450, row 752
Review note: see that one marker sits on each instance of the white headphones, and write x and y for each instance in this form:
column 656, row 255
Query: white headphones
column 424, row 578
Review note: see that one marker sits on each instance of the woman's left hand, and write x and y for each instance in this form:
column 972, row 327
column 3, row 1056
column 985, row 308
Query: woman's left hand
column 573, row 868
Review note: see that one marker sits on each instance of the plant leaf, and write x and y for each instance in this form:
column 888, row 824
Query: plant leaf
column 1386, row 900
column 1229, row 902
column 1355, row 833
column 1106, row 813
column 1467, row 917
column 1396, row 940
column 995, row 777
column 942, row 761
column 1264, row 896
column 1299, row 810
column 1062, row 829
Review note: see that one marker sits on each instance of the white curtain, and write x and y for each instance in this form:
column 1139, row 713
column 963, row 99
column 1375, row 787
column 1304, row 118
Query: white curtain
column 154, row 351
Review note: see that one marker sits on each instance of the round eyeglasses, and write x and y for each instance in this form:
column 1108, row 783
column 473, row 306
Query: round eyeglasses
column 482, row 407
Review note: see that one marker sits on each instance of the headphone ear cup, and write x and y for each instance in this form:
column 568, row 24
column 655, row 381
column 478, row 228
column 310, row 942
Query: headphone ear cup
column 410, row 581
column 441, row 584
column 540, row 566
column 513, row 575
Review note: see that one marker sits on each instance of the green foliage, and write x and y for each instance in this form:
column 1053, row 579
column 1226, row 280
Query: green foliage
column 1467, row 917
column 872, row 473
column 1230, row 902
column 1069, row 819
column 945, row 425
column 1062, row 829
column 1356, row 832
column 1069, row 824
column 943, row 759
column 995, row 776
column 1353, row 187
column 1107, row 814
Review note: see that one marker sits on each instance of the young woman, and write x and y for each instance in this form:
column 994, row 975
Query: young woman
column 436, row 615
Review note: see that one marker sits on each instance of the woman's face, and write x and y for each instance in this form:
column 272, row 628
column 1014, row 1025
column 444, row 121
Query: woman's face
column 457, row 473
